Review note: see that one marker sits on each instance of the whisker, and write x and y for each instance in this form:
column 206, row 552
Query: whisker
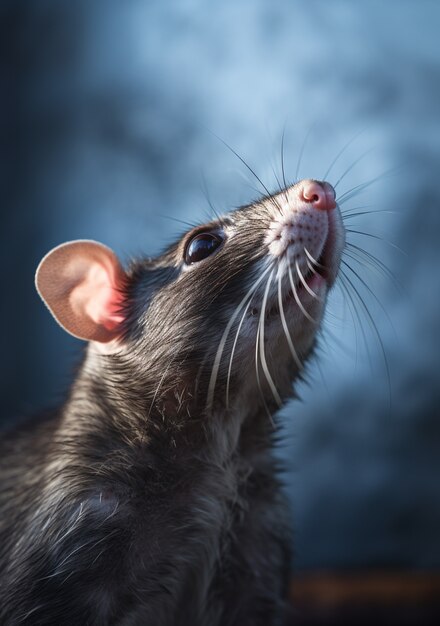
column 375, row 330
column 355, row 316
column 341, row 152
column 304, row 282
column 248, row 167
column 313, row 270
column 352, row 166
column 362, row 281
column 354, row 208
column 356, row 190
column 262, row 347
column 282, row 158
column 245, row 176
column 257, row 374
column 286, row 328
column 208, row 196
column 375, row 261
column 216, row 364
column 243, row 161
column 321, row 373
column 282, row 164
column 233, row 351
column 334, row 338
column 390, row 243
column 365, row 263
column 269, row 197
column 301, row 152
column 276, row 177
column 346, row 214
column 314, row 261
column 176, row 219
column 295, row 295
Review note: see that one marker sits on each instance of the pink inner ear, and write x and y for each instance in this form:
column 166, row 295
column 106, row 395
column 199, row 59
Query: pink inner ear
column 98, row 297
column 82, row 283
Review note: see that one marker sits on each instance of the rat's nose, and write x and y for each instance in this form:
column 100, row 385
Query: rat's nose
column 320, row 194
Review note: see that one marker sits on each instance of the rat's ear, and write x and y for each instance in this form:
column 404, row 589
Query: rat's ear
column 82, row 283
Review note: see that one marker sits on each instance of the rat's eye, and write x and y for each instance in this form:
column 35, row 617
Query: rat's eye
column 201, row 246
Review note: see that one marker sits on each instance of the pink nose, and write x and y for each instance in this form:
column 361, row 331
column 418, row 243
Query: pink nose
column 320, row 194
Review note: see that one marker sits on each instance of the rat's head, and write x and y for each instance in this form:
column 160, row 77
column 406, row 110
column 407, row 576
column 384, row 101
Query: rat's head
column 227, row 314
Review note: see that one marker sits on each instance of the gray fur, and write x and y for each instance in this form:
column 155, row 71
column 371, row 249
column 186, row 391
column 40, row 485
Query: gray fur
column 142, row 501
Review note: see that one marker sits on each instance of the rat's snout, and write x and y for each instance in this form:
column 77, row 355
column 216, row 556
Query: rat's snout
column 320, row 195
column 306, row 211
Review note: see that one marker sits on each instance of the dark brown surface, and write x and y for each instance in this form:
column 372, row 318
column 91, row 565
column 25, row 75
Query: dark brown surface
column 399, row 598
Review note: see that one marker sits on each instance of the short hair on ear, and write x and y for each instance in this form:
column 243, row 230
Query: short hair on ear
column 82, row 284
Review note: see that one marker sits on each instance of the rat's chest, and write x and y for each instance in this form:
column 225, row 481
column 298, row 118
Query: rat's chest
column 209, row 551
column 170, row 544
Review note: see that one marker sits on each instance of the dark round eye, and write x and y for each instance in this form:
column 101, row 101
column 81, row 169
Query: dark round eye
column 201, row 246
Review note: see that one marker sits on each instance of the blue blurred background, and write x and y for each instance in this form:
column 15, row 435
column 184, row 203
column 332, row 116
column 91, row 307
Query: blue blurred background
column 109, row 111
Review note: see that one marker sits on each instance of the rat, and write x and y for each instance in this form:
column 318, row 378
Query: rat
column 153, row 495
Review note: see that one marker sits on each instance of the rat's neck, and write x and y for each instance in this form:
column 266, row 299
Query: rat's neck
column 114, row 406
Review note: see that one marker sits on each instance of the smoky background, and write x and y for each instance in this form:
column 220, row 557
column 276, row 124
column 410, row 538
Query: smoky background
column 109, row 117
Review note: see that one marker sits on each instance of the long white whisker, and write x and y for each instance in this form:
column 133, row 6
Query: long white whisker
column 314, row 261
column 233, row 350
column 328, row 313
column 286, row 328
column 298, row 301
column 262, row 352
column 216, row 365
column 304, row 282
column 257, row 374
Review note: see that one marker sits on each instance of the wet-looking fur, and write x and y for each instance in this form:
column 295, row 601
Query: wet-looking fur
column 152, row 495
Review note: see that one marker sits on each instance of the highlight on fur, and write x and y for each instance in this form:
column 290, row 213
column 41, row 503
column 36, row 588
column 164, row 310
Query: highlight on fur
column 152, row 496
